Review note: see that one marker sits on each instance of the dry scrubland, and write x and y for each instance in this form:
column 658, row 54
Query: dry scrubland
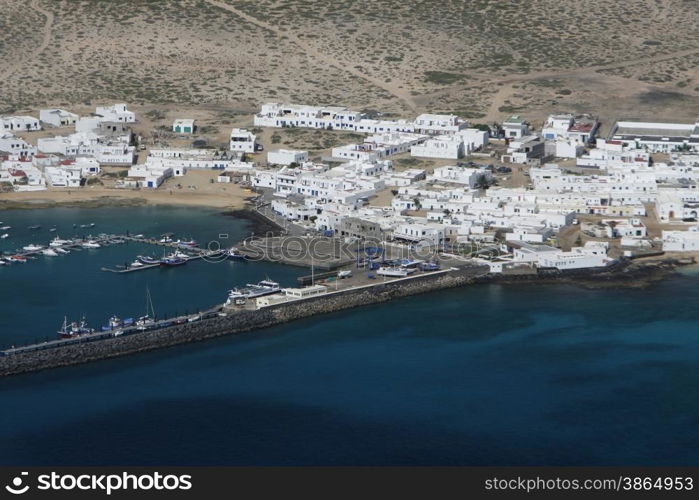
column 478, row 58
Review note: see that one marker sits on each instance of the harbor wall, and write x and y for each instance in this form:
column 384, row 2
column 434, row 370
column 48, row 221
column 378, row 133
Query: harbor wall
column 235, row 322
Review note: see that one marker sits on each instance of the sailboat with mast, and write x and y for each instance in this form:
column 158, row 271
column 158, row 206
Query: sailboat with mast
column 147, row 321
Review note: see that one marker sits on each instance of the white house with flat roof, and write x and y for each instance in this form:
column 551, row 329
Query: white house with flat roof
column 57, row 117
column 681, row 241
column 19, row 124
column 183, row 126
column 515, row 127
column 443, row 146
column 115, row 113
column 243, row 140
column 286, row 156
column 658, row 137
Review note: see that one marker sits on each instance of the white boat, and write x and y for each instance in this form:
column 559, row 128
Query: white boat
column 395, row 272
column 5, row 228
column 58, row 242
column 165, row 239
column 50, row 252
column 4, row 235
column 91, row 244
column 136, row 263
column 61, row 250
column 32, row 248
column 3, row 263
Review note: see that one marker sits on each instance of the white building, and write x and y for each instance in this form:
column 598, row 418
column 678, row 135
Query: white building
column 57, row 117
column 442, row 146
column 243, row 140
column 183, row 126
column 378, row 146
column 658, row 137
column 19, row 124
column 681, row 241
column 515, row 127
column 115, row 113
column 15, row 145
column 276, row 114
column 438, row 124
column 565, row 127
column 286, row 156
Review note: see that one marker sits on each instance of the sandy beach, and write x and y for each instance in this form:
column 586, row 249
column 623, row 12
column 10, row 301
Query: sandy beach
column 193, row 189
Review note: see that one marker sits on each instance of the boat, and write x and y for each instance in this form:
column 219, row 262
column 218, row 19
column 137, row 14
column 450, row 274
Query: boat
column 148, row 321
column 250, row 291
column 148, row 260
column 3, row 263
column 5, row 228
column 17, row 258
column 234, row 254
column 430, row 266
column 34, row 227
column 32, row 248
column 50, row 252
column 395, row 272
column 165, row 239
column 58, row 242
column 114, row 323
column 138, row 236
column 52, row 229
column 4, row 235
column 62, row 250
column 187, row 244
column 172, row 261
column 74, row 329
column 136, row 263
column 91, row 244
column 92, row 224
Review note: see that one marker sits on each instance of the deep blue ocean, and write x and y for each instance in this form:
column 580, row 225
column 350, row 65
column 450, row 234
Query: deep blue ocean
column 484, row 375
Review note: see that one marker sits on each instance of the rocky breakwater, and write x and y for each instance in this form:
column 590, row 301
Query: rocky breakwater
column 235, row 321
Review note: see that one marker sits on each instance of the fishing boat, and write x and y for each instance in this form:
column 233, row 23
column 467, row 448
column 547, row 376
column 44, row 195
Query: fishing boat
column 4, row 235
column 91, row 244
column 250, row 291
column 50, row 252
column 32, row 248
column 172, row 261
column 234, row 254
column 58, row 242
column 394, row 272
column 74, row 329
column 147, row 260
column 113, row 324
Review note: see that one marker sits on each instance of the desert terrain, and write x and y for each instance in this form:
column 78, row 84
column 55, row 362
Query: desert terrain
column 480, row 59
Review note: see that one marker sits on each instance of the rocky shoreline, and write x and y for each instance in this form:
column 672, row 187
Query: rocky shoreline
column 260, row 225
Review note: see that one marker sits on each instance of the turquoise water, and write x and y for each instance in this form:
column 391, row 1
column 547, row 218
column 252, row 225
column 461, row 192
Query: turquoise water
column 485, row 375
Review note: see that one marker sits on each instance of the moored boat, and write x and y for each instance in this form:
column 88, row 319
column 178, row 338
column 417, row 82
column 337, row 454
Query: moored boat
column 32, row 248
column 148, row 260
column 250, row 291
column 394, row 272
column 234, row 254
column 50, row 252
column 74, row 329
column 58, row 242
column 91, row 244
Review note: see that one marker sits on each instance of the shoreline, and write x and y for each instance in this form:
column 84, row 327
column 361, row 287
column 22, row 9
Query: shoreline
column 627, row 274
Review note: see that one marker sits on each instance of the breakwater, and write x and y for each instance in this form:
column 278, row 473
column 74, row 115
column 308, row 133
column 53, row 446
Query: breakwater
column 235, row 321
